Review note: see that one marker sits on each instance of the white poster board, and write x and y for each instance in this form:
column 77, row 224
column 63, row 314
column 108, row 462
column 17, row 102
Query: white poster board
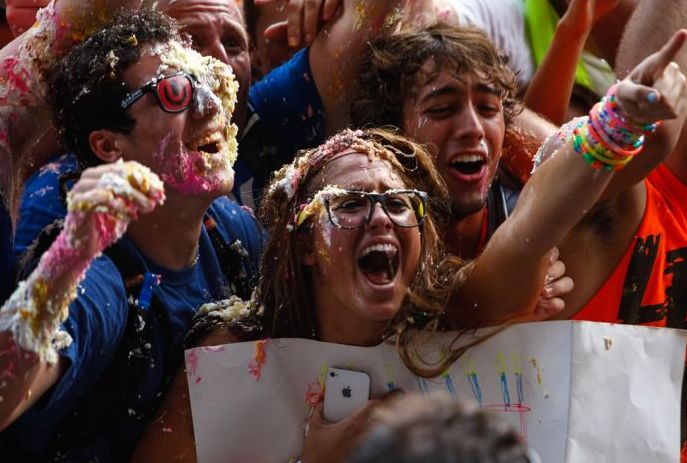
column 575, row 391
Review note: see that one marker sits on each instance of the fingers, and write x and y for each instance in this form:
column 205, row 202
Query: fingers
column 672, row 87
column 548, row 308
column 653, row 66
column 555, row 271
column 89, row 195
column 278, row 32
column 670, row 50
column 553, row 255
column 558, row 287
column 316, row 414
column 396, row 394
column 120, row 189
column 294, row 15
column 311, row 20
column 645, row 104
column 334, row 441
column 359, row 420
column 329, row 8
column 302, row 21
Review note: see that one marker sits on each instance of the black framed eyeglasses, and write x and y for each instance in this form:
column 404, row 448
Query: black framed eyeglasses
column 174, row 93
column 354, row 209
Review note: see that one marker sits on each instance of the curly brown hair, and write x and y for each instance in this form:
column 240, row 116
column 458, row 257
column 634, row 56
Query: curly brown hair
column 284, row 287
column 392, row 70
column 88, row 84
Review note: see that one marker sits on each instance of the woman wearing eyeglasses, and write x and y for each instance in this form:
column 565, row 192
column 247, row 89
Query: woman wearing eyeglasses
column 354, row 257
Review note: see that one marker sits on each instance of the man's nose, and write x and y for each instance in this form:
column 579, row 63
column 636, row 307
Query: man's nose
column 206, row 103
column 469, row 124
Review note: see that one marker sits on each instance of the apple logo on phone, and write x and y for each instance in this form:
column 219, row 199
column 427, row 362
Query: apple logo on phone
column 344, row 392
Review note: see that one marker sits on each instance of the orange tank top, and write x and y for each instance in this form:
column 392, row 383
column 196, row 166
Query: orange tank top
column 649, row 284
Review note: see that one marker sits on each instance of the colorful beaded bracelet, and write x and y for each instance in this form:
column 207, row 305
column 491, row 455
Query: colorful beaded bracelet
column 607, row 139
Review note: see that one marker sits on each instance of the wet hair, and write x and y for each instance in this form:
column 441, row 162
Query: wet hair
column 88, row 84
column 392, row 70
column 284, row 289
column 437, row 429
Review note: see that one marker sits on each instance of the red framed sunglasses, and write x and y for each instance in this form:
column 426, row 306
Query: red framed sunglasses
column 174, row 93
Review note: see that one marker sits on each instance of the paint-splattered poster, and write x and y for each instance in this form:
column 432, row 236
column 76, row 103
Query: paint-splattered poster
column 575, row 391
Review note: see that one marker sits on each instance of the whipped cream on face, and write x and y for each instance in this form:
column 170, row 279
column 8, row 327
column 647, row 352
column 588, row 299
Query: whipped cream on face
column 316, row 205
column 315, row 208
column 217, row 86
column 201, row 164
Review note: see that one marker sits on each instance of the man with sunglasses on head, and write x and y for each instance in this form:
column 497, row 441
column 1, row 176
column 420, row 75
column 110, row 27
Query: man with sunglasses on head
column 133, row 91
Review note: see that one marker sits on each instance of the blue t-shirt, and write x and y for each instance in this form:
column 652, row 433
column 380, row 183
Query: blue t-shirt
column 97, row 319
column 285, row 115
column 6, row 253
column 42, row 202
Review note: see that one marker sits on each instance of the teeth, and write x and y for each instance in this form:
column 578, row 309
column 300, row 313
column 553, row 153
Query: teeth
column 467, row 158
column 215, row 137
column 387, row 248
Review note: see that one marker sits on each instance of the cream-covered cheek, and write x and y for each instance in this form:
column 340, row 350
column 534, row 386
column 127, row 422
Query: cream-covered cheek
column 201, row 164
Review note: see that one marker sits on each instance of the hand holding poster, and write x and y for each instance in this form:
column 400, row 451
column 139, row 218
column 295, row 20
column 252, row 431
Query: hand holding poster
column 575, row 391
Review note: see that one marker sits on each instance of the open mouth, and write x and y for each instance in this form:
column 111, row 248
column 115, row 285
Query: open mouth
column 379, row 263
column 468, row 164
column 210, row 144
column 212, row 147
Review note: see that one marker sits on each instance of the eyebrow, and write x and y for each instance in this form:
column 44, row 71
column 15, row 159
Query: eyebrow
column 486, row 88
column 439, row 92
column 235, row 27
column 452, row 90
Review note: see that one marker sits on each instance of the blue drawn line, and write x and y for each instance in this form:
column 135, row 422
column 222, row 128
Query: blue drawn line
column 474, row 387
column 422, row 385
column 450, row 386
column 518, row 383
column 390, row 386
column 504, row 389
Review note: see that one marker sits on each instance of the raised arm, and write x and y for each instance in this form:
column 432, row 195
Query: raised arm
column 100, row 207
column 335, row 53
column 552, row 84
column 506, row 278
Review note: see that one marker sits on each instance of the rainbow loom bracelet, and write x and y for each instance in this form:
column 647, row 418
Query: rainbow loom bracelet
column 607, row 139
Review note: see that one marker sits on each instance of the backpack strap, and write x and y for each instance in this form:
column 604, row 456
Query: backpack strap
column 497, row 209
column 120, row 382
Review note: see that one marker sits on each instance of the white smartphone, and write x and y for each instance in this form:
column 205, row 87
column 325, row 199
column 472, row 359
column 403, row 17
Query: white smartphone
column 344, row 392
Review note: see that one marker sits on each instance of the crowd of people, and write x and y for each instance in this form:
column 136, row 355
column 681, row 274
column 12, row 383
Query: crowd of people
column 348, row 171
